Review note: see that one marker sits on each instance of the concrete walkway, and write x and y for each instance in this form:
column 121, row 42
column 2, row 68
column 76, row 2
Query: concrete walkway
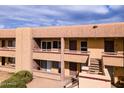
column 39, row 82
column 4, row 75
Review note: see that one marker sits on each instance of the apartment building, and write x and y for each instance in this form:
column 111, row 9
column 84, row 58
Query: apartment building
column 62, row 51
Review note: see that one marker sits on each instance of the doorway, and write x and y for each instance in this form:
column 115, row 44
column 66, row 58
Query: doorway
column 49, row 66
column 73, row 45
column 3, row 60
column 73, row 68
column 3, row 43
column 109, row 45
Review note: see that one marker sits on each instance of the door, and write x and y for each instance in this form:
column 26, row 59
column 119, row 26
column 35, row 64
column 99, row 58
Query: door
column 73, row 68
column 3, row 60
column 49, row 66
column 3, row 43
column 48, row 45
column 73, row 44
column 109, row 46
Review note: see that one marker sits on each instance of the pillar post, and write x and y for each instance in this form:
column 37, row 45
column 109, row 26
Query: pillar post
column 23, row 49
column 62, row 60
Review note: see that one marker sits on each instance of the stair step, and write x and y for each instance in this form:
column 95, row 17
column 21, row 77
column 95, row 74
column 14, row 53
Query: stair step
column 94, row 72
column 93, row 68
column 94, row 64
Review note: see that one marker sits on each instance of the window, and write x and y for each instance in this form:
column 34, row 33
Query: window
column 83, row 45
column 46, row 45
column 3, row 43
column 11, row 60
column 56, row 44
column 109, row 46
column 43, row 65
column 43, row 45
column 55, row 65
column 11, row 43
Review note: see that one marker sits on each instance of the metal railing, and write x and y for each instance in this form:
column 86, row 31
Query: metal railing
column 66, row 51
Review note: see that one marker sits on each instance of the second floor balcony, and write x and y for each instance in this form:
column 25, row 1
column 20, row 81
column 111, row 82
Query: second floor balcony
column 55, row 54
column 113, row 58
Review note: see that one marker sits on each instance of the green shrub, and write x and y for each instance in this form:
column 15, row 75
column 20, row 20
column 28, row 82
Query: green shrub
column 24, row 76
column 17, row 80
column 13, row 84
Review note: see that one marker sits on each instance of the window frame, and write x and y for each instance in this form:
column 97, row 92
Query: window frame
column 109, row 40
column 84, row 47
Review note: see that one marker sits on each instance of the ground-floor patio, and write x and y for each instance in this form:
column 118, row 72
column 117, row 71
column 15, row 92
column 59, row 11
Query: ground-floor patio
column 4, row 75
column 39, row 82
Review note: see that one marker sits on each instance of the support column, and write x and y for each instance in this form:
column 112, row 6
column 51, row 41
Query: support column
column 62, row 59
column 24, row 49
column 115, row 80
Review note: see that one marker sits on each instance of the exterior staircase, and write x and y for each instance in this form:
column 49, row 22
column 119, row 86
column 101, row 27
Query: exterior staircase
column 72, row 82
column 95, row 66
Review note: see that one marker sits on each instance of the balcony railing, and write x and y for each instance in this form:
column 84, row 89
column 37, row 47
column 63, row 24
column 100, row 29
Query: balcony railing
column 47, row 50
column 113, row 54
column 7, row 48
column 66, row 51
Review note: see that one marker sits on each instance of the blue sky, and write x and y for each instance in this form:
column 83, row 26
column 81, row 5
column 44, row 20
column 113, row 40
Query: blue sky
column 40, row 15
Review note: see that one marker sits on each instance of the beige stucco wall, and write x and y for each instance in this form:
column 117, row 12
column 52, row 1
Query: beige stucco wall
column 119, row 45
column 47, row 56
column 113, row 61
column 24, row 44
column 96, row 47
column 24, row 49
column 7, row 53
column 76, row 58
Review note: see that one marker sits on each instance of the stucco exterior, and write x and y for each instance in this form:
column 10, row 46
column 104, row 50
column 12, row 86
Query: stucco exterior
column 29, row 43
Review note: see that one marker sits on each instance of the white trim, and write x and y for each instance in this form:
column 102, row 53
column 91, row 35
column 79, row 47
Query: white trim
column 51, row 43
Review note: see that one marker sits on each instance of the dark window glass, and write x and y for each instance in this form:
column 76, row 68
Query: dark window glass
column 44, row 64
column 48, row 45
column 11, row 60
column 84, row 46
column 59, row 44
column 43, row 45
column 109, row 46
column 55, row 44
column 11, row 43
column 73, row 45
column 3, row 43
column 55, row 65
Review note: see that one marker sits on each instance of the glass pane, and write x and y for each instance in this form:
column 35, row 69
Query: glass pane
column 55, row 44
column 109, row 46
column 43, row 45
column 59, row 44
column 55, row 64
column 10, row 43
column 44, row 64
column 83, row 46
column 48, row 45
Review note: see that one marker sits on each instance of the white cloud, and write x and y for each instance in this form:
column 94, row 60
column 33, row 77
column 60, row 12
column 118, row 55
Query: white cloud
column 106, row 20
column 115, row 7
column 31, row 16
column 87, row 8
column 2, row 26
